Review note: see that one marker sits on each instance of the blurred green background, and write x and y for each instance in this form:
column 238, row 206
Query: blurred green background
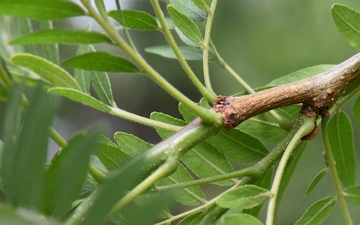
column 261, row 40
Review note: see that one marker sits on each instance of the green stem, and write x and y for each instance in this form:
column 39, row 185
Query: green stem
column 143, row 120
column 206, row 44
column 208, row 94
column 203, row 113
column 335, row 175
column 306, row 128
column 126, row 31
column 55, row 136
column 169, row 166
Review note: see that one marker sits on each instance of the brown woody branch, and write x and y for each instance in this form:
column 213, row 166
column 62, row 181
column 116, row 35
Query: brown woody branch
column 317, row 94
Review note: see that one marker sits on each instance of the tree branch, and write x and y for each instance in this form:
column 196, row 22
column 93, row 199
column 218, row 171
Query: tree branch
column 317, row 94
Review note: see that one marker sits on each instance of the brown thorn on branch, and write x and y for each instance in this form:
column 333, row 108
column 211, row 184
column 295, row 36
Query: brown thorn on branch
column 317, row 93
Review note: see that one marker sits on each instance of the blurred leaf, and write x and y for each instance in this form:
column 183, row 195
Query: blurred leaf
column 265, row 127
column 190, row 9
column 3, row 93
column 189, row 196
column 80, row 97
column 356, row 111
column 340, row 136
column 317, row 212
column 67, row 173
column 101, row 84
column 243, row 197
column 352, row 195
column 119, row 217
column 100, row 5
column 40, row 9
column 46, row 69
column 62, row 36
column 130, row 144
column 316, row 180
column 351, row 88
column 83, row 77
column 238, row 146
column 143, row 200
column 50, row 51
column 147, row 213
column 100, row 61
column 347, row 22
column 97, row 206
column 185, row 24
column 188, row 52
column 202, row 4
column 110, row 154
column 301, row 74
column 193, row 219
column 236, row 219
column 11, row 216
column 137, row 20
column 24, row 154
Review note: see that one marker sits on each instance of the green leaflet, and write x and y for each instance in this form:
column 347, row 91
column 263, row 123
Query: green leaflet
column 46, row 69
column 80, row 97
column 188, row 196
column 41, row 10
column 236, row 219
column 238, row 146
column 202, row 4
column 356, row 111
column 130, row 144
column 318, row 211
column 137, row 20
column 243, row 197
column 188, row 52
column 102, row 86
column 316, row 180
column 352, row 195
column 62, row 36
column 101, row 61
column 234, row 144
column 190, row 9
column 203, row 160
column 66, row 174
column 265, row 127
column 110, row 154
column 185, row 25
column 347, row 22
column 340, row 136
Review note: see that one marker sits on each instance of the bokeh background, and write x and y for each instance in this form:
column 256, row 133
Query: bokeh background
column 261, row 40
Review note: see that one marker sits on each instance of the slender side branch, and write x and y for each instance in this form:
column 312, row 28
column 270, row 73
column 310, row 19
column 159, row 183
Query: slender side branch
column 306, row 127
column 208, row 94
column 335, row 175
column 317, row 93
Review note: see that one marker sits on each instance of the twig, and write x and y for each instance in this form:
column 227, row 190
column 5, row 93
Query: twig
column 317, row 93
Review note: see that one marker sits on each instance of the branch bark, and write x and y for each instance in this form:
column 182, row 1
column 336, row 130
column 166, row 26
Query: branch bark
column 317, row 94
